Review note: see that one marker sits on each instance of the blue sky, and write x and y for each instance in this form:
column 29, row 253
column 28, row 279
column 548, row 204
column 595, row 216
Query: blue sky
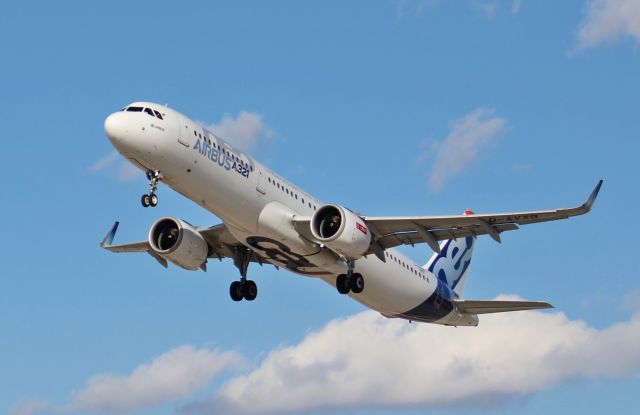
column 388, row 107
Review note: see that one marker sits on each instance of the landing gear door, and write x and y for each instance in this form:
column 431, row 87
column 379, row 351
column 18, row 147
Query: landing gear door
column 184, row 137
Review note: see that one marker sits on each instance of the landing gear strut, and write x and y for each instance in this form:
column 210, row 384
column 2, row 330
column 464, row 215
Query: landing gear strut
column 151, row 199
column 243, row 289
column 350, row 281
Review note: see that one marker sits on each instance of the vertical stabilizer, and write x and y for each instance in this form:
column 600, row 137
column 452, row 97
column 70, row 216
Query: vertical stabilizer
column 451, row 264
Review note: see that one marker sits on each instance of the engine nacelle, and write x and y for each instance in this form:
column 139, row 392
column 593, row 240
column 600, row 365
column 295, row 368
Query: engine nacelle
column 341, row 230
column 179, row 242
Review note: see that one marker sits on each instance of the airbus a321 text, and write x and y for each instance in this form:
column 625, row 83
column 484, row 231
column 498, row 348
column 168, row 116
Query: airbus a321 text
column 268, row 220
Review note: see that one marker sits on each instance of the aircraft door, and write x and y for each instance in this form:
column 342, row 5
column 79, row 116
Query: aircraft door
column 184, row 137
column 260, row 186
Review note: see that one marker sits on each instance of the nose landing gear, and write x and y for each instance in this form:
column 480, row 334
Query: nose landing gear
column 151, row 199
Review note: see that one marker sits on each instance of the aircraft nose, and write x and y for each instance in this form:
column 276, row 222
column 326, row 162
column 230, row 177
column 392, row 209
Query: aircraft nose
column 116, row 128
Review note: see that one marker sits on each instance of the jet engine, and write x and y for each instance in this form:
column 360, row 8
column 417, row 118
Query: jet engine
column 179, row 242
column 341, row 230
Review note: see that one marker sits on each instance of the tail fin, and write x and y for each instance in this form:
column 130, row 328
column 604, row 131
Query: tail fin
column 451, row 264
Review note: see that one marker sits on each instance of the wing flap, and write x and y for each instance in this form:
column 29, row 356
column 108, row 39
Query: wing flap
column 415, row 237
column 498, row 306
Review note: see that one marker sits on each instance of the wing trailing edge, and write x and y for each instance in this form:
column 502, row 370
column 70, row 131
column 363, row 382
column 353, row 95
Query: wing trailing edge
column 498, row 306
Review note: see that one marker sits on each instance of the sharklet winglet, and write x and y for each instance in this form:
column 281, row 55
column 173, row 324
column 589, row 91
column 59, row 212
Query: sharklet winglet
column 108, row 238
column 593, row 196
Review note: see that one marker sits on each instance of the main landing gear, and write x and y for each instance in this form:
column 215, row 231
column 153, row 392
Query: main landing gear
column 243, row 289
column 350, row 281
column 151, row 199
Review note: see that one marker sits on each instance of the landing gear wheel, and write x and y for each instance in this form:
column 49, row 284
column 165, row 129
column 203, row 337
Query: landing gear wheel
column 356, row 282
column 235, row 289
column 342, row 284
column 250, row 290
column 153, row 200
column 145, row 200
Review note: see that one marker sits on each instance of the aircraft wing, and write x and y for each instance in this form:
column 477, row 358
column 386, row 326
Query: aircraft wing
column 218, row 237
column 497, row 306
column 393, row 231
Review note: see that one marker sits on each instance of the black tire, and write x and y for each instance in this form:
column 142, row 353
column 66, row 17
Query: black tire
column 250, row 290
column 145, row 200
column 153, row 200
column 235, row 290
column 357, row 283
column 342, row 285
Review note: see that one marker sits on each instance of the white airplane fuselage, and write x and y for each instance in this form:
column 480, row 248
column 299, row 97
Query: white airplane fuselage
column 256, row 205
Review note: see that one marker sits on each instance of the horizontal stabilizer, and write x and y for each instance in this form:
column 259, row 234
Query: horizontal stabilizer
column 497, row 306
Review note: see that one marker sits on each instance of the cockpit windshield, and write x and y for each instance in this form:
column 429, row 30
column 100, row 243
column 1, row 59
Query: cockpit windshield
column 149, row 111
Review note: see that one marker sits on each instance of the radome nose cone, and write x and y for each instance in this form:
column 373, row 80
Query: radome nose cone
column 114, row 127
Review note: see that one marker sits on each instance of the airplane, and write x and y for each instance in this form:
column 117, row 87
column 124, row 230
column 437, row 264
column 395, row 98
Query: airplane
column 268, row 220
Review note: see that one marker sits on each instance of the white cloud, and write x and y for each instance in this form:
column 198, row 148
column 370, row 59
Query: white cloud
column 469, row 136
column 516, row 6
column 607, row 21
column 415, row 7
column 105, row 162
column 174, row 375
column 489, row 8
column 116, row 166
column 369, row 362
column 171, row 376
column 244, row 131
column 366, row 361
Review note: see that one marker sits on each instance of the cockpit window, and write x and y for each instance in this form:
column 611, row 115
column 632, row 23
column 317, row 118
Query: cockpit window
column 150, row 111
